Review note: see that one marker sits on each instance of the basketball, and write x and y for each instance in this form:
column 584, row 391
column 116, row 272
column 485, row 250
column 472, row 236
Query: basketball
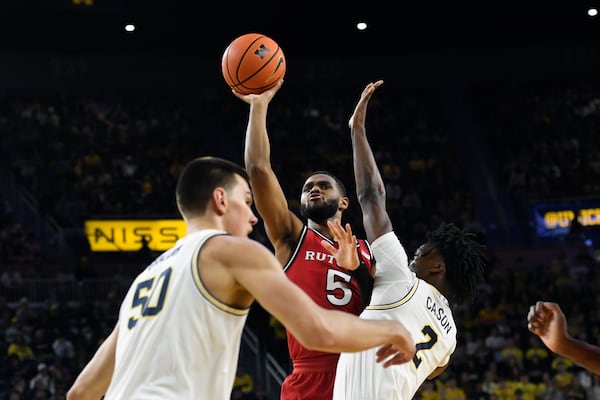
column 253, row 63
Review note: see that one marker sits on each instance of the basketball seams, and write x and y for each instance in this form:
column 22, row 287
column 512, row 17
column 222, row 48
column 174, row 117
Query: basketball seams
column 239, row 68
column 258, row 71
column 230, row 78
column 243, row 57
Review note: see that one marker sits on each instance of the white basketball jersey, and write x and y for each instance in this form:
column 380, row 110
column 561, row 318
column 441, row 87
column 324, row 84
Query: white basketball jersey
column 176, row 341
column 400, row 296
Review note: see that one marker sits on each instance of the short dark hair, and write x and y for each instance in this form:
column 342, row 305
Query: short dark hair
column 338, row 182
column 465, row 260
column 199, row 178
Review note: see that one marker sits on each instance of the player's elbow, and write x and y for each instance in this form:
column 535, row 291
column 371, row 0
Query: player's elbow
column 372, row 194
column 75, row 394
column 257, row 168
column 82, row 392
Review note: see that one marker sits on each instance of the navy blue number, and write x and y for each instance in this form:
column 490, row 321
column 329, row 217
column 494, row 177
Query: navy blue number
column 433, row 338
column 150, row 297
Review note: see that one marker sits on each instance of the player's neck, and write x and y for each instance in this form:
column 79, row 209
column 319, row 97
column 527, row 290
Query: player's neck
column 196, row 224
column 321, row 228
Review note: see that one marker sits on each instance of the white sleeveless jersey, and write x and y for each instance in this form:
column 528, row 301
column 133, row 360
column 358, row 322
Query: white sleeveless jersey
column 176, row 341
column 400, row 296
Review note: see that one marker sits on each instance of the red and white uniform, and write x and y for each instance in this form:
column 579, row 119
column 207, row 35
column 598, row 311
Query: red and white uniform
column 316, row 272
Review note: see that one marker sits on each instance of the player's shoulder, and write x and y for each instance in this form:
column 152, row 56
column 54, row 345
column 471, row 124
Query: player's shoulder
column 231, row 252
column 225, row 242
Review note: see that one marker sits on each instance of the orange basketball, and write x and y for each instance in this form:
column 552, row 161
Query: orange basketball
column 253, row 63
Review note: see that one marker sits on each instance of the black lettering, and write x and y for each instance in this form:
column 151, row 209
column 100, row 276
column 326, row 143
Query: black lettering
column 100, row 234
column 141, row 232
column 169, row 234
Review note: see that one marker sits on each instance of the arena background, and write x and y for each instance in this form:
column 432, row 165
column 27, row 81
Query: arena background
column 482, row 105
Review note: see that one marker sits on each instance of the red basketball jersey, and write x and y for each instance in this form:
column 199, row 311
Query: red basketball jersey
column 316, row 272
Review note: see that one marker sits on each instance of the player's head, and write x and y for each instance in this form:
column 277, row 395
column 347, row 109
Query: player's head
column 452, row 258
column 219, row 185
column 323, row 196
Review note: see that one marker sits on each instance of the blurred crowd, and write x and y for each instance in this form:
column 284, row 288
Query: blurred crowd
column 545, row 137
column 114, row 154
column 46, row 344
column 119, row 155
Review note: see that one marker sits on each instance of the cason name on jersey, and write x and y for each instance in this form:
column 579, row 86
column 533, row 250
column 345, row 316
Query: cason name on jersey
column 439, row 313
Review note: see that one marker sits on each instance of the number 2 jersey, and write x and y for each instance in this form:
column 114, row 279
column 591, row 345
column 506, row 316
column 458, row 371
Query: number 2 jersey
column 176, row 341
column 400, row 296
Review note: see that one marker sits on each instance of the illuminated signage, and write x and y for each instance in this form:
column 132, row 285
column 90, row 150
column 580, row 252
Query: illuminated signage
column 564, row 218
column 556, row 219
column 128, row 235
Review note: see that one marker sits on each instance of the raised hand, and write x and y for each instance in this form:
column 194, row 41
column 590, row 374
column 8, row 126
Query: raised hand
column 360, row 111
column 547, row 320
column 345, row 254
column 265, row 97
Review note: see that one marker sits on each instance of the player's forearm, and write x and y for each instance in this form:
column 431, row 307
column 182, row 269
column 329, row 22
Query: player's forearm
column 341, row 332
column 257, row 151
column 367, row 176
column 582, row 353
column 93, row 381
column 384, row 332
column 368, row 334
column 91, row 384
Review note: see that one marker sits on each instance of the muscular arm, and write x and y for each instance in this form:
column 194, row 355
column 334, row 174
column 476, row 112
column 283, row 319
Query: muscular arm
column 93, row 381
column 547, row 320
column 370, row 188
column 280, row 223
column 255, row 269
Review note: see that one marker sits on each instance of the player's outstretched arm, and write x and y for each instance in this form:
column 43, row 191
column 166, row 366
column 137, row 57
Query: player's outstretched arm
column 93, row 381
column 370, row 188
column 270, row 200
column 547, row 320
column 255, row 268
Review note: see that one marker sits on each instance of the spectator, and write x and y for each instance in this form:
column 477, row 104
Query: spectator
column 19, row 348
column 453, row 392
column 43, row 380
column 428, row 391
column 41, row 344
column 63, row 347
column 495, row 343
column 593, row 392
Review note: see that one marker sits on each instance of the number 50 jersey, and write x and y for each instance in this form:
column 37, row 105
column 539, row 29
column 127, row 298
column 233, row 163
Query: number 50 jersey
column 400, row 296
column 176, row 340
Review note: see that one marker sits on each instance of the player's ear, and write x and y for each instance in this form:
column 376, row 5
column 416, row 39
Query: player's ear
column 219, row 199
column 343, row 203
column 439, row 267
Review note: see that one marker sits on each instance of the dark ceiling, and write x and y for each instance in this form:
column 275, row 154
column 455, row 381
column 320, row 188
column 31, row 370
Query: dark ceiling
column 310, row 28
